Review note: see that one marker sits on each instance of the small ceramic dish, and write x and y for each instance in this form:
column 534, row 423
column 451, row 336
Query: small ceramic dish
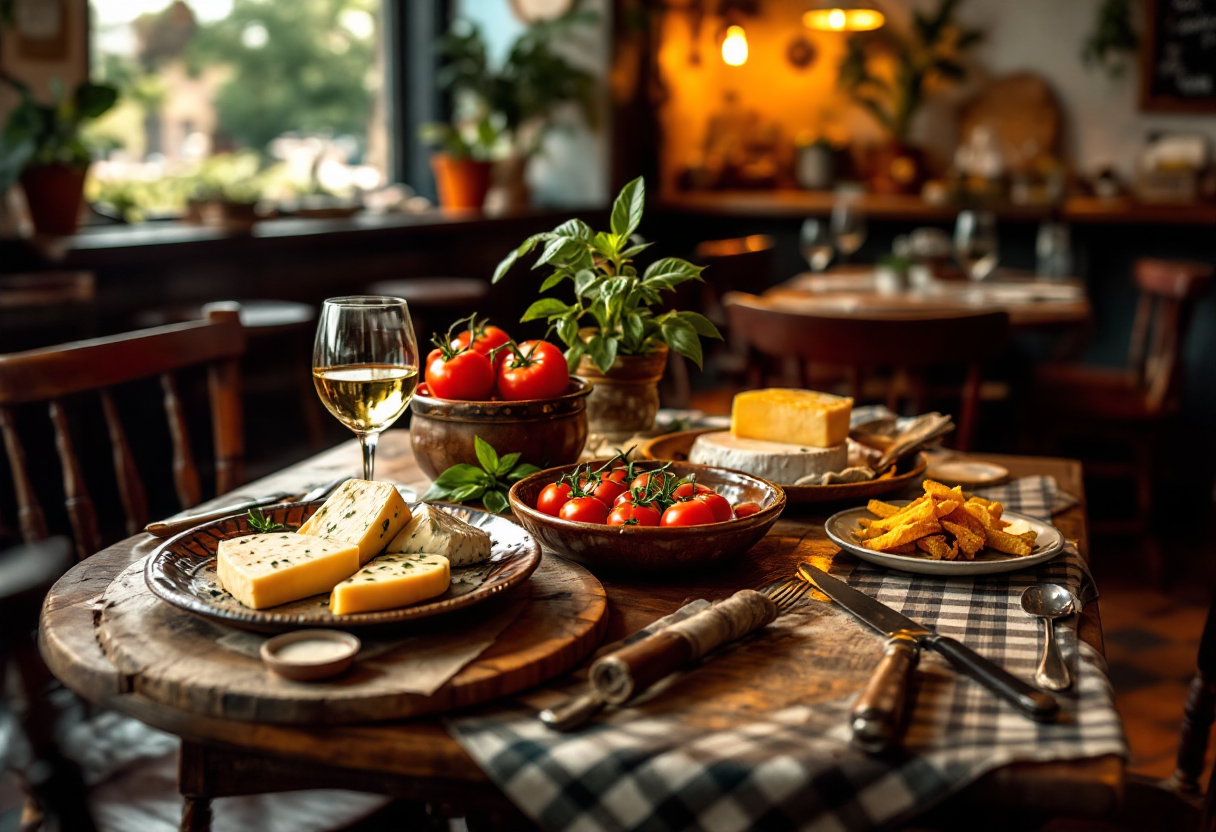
column 309, row 655
column 642, row 549
column 960, row 471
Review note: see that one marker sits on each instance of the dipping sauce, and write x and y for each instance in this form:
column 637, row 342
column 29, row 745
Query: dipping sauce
column 312, row 651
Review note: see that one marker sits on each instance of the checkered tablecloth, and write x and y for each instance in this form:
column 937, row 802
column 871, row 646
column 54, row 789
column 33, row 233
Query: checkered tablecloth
column 651, row 767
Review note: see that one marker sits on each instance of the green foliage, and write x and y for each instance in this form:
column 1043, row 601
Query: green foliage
column 520, row 96
column 310, row 73
column 489, row 483
column 40, row 133
column 930, row 52
column 1113, row 38
column 259, row 522
column 609, row 290
column 476, row 140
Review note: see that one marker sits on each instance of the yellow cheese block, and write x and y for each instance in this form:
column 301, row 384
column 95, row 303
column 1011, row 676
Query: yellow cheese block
column 798, row 417
column 265, row 570
column 392, row 581
column 367, row 514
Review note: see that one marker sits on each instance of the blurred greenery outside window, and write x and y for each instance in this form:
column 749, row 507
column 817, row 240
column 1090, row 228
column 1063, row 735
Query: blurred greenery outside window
column 236, row 100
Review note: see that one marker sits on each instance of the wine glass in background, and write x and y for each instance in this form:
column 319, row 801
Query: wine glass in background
column 817, row 246
column 848, row 228
column 976, row 246
column 365, row 365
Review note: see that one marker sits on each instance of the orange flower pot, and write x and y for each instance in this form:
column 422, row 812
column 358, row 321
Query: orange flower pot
column 54, row 194
column 462, row 183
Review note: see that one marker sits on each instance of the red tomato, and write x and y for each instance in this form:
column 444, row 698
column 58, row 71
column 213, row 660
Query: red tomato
column 487, row 338
column 746, row 509
column 552, row 497
column 584, row 510
column 685, row 490
column 465, row 376
column 641, row 480
column 688, row 513
column 719, row 506
column 608, row 489
column 540, row 374
column 628, row 514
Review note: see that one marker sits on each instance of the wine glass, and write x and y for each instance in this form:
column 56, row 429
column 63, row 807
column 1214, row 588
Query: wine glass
column 817, row 246
column 848, row 227
column 976, row 246
column 365, row 365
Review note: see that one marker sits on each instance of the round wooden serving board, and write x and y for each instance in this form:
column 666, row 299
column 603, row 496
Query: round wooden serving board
column 177, row 659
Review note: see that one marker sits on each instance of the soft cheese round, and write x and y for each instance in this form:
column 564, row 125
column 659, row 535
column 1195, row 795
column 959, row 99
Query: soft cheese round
column 779, row 462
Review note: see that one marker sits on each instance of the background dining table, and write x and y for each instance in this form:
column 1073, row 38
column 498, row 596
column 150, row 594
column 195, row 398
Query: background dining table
column 418, row 760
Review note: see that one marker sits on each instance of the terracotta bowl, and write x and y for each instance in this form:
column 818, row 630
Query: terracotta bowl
column 634, row 548
column 545, row 432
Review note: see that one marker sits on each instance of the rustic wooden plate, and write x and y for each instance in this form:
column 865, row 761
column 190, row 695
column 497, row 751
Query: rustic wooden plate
column 676, row 446
column 182, row 572
column 636, row 549
column 987, row 562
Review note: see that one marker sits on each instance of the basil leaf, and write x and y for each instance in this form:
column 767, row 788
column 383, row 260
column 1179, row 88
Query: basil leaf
column 635, row 330
column 602, row 350
column 460, row 474
column 506, row 463
column 634, row 251
column 553, row 279
column 567, row 330
column 573, row 355
column 467, row 492
column 526, row 246
column 605, row 243
column 670, row 272
column 495, row 502
column 627, row 209
column 486, row 455
column 575, row 229
column 544, row 308
column 701, row 324
column 521, row 471
column 436, row 492
column 682, row 338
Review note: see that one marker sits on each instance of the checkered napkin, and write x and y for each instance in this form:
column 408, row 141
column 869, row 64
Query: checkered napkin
column 681, row 758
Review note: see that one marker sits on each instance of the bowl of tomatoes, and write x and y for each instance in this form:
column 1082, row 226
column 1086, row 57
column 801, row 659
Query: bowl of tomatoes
column 520, row 398
column 648, row 516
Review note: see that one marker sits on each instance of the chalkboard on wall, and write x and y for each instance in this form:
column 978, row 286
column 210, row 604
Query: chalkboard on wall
column 1178, row 56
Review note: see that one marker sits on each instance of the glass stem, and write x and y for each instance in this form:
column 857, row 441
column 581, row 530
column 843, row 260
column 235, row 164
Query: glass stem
column 367, row 441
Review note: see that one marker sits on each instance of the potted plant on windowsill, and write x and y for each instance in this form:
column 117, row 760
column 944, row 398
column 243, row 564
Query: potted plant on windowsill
column 463, row 165
column 42, row 148
column 624, row 349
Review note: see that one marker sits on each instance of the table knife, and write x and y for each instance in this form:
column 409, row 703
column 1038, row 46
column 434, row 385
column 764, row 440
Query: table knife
column 168, row 528
column 878, row 713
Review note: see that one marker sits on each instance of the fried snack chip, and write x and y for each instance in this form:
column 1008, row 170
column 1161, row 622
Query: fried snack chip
column 881, row 509
column 982, row 514
column 906, row 549
column 940, row 492
column 968, row 541
column 938, row 547
column 1007, row 543
column 995, row 509
column 906, row 533
column 965, row 518
column 921, row 509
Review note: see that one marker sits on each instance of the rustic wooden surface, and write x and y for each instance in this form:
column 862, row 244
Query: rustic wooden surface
column 421, row 748
column 176, row 658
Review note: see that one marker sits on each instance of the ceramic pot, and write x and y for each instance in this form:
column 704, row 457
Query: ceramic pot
column 625, row 400
column 897, row 169
column 462, row 183
column 545, row 432
column 54, row 194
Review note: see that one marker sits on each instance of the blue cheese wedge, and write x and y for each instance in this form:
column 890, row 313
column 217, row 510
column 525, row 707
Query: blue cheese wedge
column 434, row 531
column 367, row 514
column 265, row 570
column 392, row 581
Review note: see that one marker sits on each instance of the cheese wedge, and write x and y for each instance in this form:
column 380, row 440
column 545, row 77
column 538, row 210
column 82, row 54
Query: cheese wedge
column 265, row 570
column 779, row 462
column 367, row 514
column 391, row 581
column 798, row 417
column 433, row 531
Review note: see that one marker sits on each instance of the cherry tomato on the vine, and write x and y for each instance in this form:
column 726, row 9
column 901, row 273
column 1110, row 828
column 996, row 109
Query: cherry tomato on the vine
column 719, row 506
column 746, row 509
column 631, row 514
column 484, row 338
column 536, row 371
column 464, row 375
column 687, row 489
column 687, row 513
column 552, row 497
column 607, row 488
column 641, row 481
column 584, row 510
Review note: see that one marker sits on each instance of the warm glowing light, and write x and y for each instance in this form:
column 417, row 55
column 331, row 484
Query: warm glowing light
column 843, row 20
column 734, row 46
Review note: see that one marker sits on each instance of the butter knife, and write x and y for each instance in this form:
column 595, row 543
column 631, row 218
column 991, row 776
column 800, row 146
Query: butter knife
column 176, row 525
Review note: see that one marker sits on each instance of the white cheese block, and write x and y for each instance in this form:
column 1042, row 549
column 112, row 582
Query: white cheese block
column 367, row 514
column 434, row 531
column 778, row 462
column 265, row 570
column 392, row 581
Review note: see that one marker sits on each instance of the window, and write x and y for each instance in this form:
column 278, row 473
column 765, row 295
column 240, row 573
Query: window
column 237, row 99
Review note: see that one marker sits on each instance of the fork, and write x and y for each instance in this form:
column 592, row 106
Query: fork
column 623, row 674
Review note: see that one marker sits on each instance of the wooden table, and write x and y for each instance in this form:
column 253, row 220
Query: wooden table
column 853, row 293
column 417, row 760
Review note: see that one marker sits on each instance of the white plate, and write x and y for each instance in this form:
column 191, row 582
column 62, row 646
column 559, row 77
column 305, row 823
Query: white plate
column 987, row 562
column 966, row 472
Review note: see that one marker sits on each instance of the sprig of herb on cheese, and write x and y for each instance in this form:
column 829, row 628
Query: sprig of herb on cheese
column 259, row 522
column 489, row 483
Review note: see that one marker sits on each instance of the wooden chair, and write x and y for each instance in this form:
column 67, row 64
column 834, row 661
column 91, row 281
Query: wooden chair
column 907, row 344
column 1128, row 405
column 50, row 375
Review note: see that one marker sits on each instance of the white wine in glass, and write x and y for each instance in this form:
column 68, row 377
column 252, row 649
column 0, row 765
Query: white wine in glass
column 976, row 246
column 848, row 227
column 365, row 365
column 817, row 245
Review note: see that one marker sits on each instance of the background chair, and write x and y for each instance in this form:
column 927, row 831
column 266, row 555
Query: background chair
column 908, row 345
column 51, row 375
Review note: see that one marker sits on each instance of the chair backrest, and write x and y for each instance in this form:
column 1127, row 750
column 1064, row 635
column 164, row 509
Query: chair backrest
column 49, row 375
column 903, row 341
column 22, row 291
column 738, row 264
column 1169, row 290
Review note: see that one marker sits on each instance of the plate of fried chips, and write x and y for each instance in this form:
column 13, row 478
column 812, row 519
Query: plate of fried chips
column 944, row 532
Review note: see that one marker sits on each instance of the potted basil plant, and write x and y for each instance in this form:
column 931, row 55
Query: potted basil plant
column 42, row 147
column 615, row 335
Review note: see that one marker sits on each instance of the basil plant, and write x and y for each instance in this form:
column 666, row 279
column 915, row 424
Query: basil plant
column 609, row 294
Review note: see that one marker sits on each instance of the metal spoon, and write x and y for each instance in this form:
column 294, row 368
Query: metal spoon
column 1049, row 602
